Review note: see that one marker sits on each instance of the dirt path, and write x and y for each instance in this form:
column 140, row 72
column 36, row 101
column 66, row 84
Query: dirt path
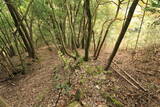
column 29, row 90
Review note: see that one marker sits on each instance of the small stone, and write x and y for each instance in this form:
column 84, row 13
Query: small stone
column 97, row 87
column 74, row 104
column 102, row 106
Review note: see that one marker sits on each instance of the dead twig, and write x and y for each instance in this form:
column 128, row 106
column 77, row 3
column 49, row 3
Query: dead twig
column 125, row 78
column 11, row 83
column 59, row 95
column 131, row 78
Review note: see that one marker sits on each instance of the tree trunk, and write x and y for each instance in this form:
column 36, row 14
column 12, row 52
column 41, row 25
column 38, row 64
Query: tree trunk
column 89, row 35
column 122, row 33
column 21, row 29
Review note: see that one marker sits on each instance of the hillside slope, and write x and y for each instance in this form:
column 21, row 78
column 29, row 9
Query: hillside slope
column 49, row 83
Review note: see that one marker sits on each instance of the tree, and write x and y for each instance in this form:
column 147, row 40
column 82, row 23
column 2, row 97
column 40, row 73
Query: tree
column 89, row 32
column 21, row 28
column 122, row 33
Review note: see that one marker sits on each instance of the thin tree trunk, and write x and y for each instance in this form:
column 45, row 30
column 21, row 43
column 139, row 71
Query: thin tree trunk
column 89, row 35
column 21, row 29
column 42, row 35
column 99, row 47
column 140, row 28
column 122, row 33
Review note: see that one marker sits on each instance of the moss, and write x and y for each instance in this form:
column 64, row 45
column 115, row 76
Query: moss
column 74, row 104
column 112, row 100
column 3, row 103
column 108, row 72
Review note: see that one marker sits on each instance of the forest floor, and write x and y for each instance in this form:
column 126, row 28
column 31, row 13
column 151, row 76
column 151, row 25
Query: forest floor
column 48, row 82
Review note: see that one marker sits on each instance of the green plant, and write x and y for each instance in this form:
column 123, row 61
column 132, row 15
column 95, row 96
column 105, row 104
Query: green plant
column 112, row 100
column 65, row 86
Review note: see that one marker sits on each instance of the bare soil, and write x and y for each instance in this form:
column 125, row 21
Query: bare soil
column 50, row 83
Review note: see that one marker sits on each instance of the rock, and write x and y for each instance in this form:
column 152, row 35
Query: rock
column 97, row 86
column 102, row 106
column 74, row 104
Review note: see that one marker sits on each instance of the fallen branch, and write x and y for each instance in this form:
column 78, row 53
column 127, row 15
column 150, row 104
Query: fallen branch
column 59, row 95
column 125, row 78
column 138, row 84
